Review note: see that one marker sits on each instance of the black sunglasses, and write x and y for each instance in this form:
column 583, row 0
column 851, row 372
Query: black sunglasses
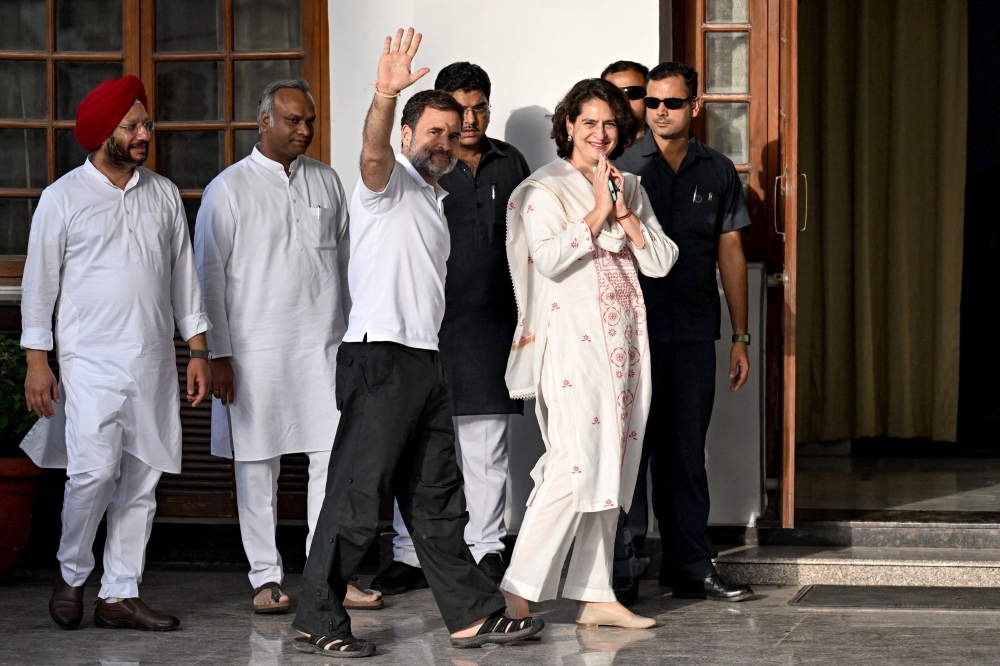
column 634, row 92
column 672, row 103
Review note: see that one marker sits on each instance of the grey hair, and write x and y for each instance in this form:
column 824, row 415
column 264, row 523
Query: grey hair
column 266, row 102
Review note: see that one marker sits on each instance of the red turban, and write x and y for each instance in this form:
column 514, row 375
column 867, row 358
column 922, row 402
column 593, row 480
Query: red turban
column 101, row 111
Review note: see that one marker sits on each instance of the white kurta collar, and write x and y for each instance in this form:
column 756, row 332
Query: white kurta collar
column 439, row 192
column 89, row 168
column 270, row 164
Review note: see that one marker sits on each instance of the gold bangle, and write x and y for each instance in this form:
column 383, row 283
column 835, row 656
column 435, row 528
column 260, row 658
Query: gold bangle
column 382, row 94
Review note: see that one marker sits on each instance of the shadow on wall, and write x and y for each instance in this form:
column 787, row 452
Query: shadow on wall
column 528, row 130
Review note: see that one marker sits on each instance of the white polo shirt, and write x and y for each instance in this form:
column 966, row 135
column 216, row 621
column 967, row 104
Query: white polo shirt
column 399, row 250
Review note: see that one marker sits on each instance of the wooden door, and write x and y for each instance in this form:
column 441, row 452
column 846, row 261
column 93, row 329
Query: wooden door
column 745, row 52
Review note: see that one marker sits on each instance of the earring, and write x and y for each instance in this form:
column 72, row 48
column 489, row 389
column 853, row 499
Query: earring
column 570, row 137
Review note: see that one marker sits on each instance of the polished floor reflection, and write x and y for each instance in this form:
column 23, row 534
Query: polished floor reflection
column 901, row 484
column 217, row 628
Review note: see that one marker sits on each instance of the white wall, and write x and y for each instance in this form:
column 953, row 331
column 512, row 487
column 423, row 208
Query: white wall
column 533, row 50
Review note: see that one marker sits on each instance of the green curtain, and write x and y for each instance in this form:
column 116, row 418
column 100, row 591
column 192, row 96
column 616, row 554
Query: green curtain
column 882, row 130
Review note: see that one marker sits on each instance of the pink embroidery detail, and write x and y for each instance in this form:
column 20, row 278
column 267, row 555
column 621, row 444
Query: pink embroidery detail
column 566, row 384
column 576, row 470
column 586, row 338
column 530, row 260
column 633, row 435
column 653, row 236
column 613, row 332
column 574, row 244
column 510, row 206
column 618, row 357
column 555, row 306
column 530, row 208
column 608, row 503
column 596, row 421
column 619, row 374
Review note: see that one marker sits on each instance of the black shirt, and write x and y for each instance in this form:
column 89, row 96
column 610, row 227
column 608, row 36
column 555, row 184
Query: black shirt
column 480, row 312
column 696, row 204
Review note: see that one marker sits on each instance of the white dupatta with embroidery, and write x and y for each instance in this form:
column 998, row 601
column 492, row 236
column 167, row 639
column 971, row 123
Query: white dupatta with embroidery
column 580, row 346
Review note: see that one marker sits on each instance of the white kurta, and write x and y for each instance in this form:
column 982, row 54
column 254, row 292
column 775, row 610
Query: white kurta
column 117, row 269
column 582, row 315
column 272, row 252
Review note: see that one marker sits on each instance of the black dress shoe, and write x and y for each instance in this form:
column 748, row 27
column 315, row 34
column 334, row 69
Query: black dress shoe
column 492, row 565
column 626, row 590
column 132, row 614
column 713, row 588
column 398, row 578
column 66, row 604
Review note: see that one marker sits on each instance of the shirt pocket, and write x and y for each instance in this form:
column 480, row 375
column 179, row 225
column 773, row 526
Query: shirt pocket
column 705, row 215
column 150, row 238
column 322, row 231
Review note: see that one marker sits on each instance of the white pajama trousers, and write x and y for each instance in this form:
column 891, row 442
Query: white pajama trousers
column 257, row 503
column 127, row 491
column 550, row 527
column 481, row 442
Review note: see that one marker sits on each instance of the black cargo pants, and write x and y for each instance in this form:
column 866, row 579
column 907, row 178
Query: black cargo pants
column 395, row 435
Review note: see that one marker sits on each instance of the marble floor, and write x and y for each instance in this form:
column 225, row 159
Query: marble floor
column 902, row 484
column 217, row 629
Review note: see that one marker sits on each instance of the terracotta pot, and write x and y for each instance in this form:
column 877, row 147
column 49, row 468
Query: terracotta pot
column 17, row 494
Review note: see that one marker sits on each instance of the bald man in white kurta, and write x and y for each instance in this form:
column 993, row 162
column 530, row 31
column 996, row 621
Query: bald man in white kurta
column 272, row 253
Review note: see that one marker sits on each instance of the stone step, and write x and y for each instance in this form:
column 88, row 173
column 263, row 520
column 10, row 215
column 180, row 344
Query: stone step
column 802, row 565
column 865, row 533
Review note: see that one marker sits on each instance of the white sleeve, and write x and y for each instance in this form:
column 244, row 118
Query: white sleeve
column 343, row 250
column 380, row 203
column 40, row 284
column 214, row 234
column 185, row 292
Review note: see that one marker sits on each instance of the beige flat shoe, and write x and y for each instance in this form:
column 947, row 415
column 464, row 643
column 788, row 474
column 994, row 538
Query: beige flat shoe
column 592, row 617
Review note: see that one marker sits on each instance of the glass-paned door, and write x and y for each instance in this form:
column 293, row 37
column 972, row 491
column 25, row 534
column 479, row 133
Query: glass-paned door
column 745, row 52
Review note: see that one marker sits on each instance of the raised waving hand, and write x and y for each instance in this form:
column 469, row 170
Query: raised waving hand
column 397, row 57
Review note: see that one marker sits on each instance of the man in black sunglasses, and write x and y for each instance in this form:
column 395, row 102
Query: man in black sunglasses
column 630, row 77
column 698, row 199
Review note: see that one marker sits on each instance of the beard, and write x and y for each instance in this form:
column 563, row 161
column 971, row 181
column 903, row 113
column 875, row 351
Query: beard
column 423, row 161
column 119, row 153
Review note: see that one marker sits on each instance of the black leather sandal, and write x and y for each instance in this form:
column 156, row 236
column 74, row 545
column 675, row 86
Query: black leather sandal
column 276, row 605
column 328, row 646
column 500, row 629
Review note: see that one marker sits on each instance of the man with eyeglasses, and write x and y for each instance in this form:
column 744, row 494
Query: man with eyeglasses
column 479, row 319
column 698, row 199
column 109, row 255
column 630, row 77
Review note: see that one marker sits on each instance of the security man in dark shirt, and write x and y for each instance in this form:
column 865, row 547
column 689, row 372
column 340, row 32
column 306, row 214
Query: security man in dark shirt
column 698, row 198
column 479, row 320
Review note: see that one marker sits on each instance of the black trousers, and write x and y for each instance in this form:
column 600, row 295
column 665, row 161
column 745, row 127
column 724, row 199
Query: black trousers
column 683, row 379
column 395, row 434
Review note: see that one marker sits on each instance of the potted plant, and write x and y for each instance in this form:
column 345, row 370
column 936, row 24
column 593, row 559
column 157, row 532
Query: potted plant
column 17, row 472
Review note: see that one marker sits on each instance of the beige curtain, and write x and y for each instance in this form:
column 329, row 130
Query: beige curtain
column 882, row 113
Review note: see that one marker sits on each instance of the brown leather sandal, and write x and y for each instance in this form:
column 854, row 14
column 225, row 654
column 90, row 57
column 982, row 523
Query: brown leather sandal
column 276, row 605
column 364, row 605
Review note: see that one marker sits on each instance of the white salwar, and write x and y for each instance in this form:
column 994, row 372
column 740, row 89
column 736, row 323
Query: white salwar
column 272, row 251
column 580, row 348
column 116, row 268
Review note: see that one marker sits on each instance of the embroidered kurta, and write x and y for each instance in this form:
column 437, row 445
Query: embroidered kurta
column 272, row 252
column 116, row 268
column 582, row 317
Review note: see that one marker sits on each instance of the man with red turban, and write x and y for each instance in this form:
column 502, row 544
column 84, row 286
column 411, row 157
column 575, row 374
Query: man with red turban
column 109, row 255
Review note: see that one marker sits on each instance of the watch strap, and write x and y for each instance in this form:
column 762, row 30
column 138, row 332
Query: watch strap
column 744, row 337
column 200, row 353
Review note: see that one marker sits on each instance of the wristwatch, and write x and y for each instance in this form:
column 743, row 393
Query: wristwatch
column 201, row 353
column 745, row 337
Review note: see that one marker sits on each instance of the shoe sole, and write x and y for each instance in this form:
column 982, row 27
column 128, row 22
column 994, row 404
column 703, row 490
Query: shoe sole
column 741, row 597
column 101, row 623
column 72, row 624
column 264, row 610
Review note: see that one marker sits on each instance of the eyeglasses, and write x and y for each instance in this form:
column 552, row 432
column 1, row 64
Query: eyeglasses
column 672, row 103
column 134, row 129
column 634, row 92
column 478, row 109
